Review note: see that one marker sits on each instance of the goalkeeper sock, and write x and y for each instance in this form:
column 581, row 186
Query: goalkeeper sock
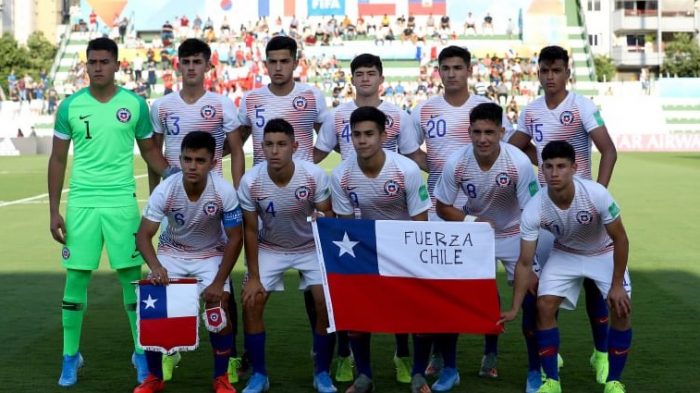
column 73, row 308
column 126, row 277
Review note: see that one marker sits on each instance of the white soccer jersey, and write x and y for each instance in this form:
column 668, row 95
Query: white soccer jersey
column 571, row 121
column 445, row 129
column 397, row 193
column 283, row 210
column 497, row 195
column 194, row 229
column 302, row 107
column 336, row 130
column 174, row 118
column 580, row 229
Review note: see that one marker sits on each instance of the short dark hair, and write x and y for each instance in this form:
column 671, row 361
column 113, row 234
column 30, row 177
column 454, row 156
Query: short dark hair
column 550, row 54
column 559, row 149
column 103, row 43
column 193, row 47
column 199, row 140
column 455, row 51
column 487, row 111
column 282, row 42
column 368, row 113
column 366, row 60
column 279, row 125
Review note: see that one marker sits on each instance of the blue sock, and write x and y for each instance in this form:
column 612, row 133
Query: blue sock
column 620, row 342
column 154, row 360
column 529, row 327
column 255, row 345
column 548, row 343
column 491, row 343
column 221, row 347
column 402, row 345
column 343, row 344
column 360, row 349
column 447, row 345
column 233, row 316
column 323, row 349
column 421, row 353
column 597, row 310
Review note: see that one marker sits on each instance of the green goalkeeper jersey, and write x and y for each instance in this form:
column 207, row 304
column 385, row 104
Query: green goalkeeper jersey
column 103, row 137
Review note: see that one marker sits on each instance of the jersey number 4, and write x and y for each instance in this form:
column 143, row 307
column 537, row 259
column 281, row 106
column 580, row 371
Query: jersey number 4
column 270, row 209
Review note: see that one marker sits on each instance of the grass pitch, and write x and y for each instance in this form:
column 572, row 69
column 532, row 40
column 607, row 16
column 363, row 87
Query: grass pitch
column 658, row 194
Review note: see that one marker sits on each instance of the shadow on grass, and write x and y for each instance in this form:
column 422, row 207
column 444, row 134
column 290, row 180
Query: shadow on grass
column 666, row 341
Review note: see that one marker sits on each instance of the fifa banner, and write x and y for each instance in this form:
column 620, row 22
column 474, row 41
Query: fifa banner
column 408, row 276
column 167, row 315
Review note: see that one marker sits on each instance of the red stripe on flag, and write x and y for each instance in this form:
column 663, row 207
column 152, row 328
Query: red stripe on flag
column 168, row 332
column 376, row 8
column 435, row 9
column 289, row 7
column 371, row 303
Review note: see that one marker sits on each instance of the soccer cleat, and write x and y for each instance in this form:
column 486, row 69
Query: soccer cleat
column 169, row 364
column 403, row 369
column 258, row 383
column 151, row 384
column 323, row 383
column 419, row 384
column 222, row 385
column 343, row 369
column 449, row 378
column 69, row 372
column 550, row 386
column 141, row 366
column 599, row 362
column 614, row 387
column 488, row 366
column 560, row 361
column 362, row 384
column 234, row 371
column 534, row 381
column 435, row 366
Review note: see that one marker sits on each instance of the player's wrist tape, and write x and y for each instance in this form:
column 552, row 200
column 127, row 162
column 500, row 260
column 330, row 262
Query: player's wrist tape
column 170, row 170
column 469, row 218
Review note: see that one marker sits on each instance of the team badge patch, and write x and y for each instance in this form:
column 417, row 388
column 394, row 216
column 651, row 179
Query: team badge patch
column 391, row 187
column 584, row 218
column 302, row 193
column 389, row 121
column 503, row 180
column 65, row 253
column 214, row 319
column 208, row 112
column 300, row 103
column 210, row 209
column 566, row 118
column 123, row 115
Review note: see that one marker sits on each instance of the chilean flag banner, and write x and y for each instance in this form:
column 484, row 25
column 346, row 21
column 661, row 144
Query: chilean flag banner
column 408, row 276
column 376, row 7
column 167, row 315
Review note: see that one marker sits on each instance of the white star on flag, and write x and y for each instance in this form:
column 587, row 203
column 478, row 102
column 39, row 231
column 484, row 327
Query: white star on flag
column 346, row 245
column 150, row 302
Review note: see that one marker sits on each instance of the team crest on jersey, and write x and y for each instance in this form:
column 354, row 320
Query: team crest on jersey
column 302, row 193
column 210, row 208
column 503, row 180
column 65, row 253
column 208, row 112
column 391, row 187
column 300, row 103
column 584, row 218
column 123, row 115
column 566, row 118
column 389, row 121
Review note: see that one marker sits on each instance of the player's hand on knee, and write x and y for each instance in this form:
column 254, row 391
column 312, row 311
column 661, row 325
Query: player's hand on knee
column 619, row 302
column 251, row 289
column 58, row 228
column 159, row 276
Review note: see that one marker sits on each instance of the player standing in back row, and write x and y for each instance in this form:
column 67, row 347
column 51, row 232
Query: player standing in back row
column 562, row 115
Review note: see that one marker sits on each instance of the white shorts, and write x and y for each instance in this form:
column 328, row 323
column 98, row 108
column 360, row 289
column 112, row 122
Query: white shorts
column 204, row 269
column 273, row 265
column 564, row 272
column 508, row 251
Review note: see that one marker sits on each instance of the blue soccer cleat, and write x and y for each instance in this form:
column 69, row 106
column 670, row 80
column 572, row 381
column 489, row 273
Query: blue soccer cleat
column 323, row 383
column 141, row 366
column 534, row 381
column 449, row 378
column 258, row 383
column 69, row 373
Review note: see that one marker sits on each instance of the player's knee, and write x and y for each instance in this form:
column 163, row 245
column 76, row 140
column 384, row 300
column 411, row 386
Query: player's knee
column 547, row 307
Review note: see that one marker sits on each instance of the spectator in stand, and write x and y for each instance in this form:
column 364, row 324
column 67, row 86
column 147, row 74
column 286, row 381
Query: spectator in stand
column 166, row 34
column 138, row 67
column 487, row 26
column 512, row 110
column 469, row 23
column 510, row 28
column 184, row 27
column 93, row 21
column 197, row 26
column 123, row 25
column 445, row 22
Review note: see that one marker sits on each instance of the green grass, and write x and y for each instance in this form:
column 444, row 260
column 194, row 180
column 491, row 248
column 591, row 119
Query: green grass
column 658, row 194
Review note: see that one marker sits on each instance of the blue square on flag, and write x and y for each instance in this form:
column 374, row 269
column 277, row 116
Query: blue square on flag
column 349, row 246
column 153, row 302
